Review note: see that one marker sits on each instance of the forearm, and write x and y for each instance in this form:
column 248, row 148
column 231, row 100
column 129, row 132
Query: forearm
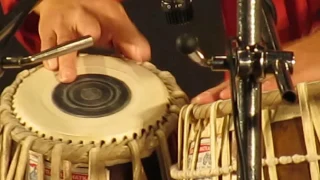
column 307, row 44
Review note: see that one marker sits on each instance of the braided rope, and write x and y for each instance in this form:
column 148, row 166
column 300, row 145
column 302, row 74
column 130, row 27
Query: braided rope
column 225, row 170
column 271, row 100
column 93, row 155
column 215, row 118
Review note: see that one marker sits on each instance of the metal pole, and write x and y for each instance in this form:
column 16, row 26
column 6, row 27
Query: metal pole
column 249, row 18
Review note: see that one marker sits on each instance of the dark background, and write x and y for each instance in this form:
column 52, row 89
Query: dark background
column 13, row 49
column 207, row 25
column 150, row 20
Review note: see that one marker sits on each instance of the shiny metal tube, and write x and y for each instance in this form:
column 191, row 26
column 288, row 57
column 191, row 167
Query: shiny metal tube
column 63, row 49
column 269, row 33
column 249, row 109
column 249, row 91
column 249, row 18
column 283, row 78
column 281, row 69
column 197, row 57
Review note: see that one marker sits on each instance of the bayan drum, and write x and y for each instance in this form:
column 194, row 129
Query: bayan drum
column 207, row 146
column 115, row 112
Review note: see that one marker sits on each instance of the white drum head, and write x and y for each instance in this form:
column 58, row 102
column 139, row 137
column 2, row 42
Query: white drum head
column 35, row 106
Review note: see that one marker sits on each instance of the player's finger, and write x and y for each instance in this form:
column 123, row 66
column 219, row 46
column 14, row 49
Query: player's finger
column 67, row 63
column 48, row 40
column 126, row 37
column 211, row 94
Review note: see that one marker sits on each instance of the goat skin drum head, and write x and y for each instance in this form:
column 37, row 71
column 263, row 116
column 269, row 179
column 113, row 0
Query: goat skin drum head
column 111, row 99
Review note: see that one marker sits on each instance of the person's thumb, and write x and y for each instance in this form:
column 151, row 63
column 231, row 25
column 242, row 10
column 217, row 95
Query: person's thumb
column 211, row 95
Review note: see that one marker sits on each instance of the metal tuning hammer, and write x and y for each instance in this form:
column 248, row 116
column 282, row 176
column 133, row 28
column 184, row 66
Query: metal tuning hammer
column 60, row 50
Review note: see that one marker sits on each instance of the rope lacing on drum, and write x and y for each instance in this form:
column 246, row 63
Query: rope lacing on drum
column 205, row 173
column 221, row 127
column 177, row 98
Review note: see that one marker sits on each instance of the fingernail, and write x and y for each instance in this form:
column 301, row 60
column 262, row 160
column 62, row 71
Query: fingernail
column 142, row 54
column 61, row 77
column 46, row 65
column 224, row 94
column 64, row 76
column 52, row 64
column 138, row 54
column 203, row 98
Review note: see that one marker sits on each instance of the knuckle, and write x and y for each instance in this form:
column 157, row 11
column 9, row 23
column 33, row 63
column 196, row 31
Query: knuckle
column 95, row 33
column 78, row 12
column 87, row 24
column 63, row 38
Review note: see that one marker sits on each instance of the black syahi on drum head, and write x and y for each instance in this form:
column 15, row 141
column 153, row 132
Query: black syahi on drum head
column 92, row 95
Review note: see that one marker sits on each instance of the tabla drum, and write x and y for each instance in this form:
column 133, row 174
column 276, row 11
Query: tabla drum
column 207, row 148
column 115, row 112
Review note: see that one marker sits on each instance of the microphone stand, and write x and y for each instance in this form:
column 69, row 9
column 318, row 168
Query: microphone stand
column 253, row 54
column 12, row 21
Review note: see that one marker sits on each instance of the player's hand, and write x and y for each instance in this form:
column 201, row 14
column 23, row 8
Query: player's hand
column 306, row 69
column 105, row 20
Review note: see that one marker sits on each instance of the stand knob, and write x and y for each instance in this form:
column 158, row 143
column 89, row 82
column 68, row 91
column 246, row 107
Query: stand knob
column 188, row 44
